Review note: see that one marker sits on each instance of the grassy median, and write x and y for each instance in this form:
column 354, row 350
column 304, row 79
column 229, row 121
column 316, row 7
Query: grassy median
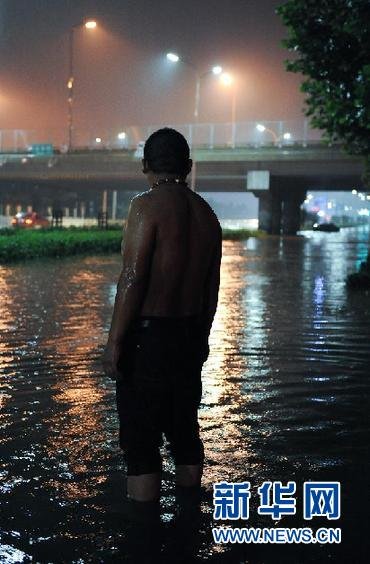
column 22, row 244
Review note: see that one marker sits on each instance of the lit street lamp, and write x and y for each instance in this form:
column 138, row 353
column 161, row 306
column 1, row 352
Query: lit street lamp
column 122, row 139
column 173, row 57
column 89, row 24
column 277, row 138
column 228, row 80
column 215, row 70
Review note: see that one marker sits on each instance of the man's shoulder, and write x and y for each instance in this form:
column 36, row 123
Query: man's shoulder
column 141, row 203
column 140, row 199
column 210, row 210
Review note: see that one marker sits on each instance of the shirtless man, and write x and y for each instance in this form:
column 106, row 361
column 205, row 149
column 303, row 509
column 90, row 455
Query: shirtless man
column 164, row 308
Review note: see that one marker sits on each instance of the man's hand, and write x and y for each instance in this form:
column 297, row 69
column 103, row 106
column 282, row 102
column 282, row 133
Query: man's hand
column 110, row 360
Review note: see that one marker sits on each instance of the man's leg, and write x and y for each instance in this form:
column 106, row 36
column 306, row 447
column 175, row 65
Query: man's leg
column 139, row 406
column 189, row 474
column 144, row 463
column 183, row 429
column 145, row 487
column 143, row 513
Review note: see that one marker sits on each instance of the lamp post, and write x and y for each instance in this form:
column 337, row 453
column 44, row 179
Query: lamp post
column 228, row 80
column 277, row 138
column 89, row 24
column 215, row 70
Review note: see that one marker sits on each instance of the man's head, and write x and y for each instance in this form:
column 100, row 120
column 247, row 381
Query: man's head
column 167, row 153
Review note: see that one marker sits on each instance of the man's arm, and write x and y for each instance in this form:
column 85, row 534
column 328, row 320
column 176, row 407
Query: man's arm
column 212, row 285
column 137, row 252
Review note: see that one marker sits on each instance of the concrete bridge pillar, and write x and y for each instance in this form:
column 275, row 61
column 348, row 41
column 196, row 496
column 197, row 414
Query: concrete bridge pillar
column 83, row 210
column 279, row 209
column 105, row 201
column 269, row 211
column 291, row 216
column 114, row 205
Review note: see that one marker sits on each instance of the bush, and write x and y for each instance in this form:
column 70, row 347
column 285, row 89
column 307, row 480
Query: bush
column 239, row 234
column 22, row 244
column 58, row 243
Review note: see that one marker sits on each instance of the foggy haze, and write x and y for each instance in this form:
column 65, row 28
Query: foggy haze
column 121, row 74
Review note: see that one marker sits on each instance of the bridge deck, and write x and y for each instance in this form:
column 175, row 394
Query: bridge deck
column 317, row 165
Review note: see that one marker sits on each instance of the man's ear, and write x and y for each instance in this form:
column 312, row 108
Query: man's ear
column 190, row 166
column 145, row 166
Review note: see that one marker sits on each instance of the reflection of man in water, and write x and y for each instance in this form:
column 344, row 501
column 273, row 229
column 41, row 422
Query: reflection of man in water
column 165, row 303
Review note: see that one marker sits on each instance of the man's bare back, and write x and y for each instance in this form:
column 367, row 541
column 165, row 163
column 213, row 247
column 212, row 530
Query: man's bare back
column 171, row 262
column 187, row 237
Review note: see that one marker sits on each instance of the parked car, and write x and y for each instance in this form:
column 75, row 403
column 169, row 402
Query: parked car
column 329, row 227
column 30, row 219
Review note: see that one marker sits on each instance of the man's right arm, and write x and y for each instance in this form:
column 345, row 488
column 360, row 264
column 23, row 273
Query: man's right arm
column 212, row 285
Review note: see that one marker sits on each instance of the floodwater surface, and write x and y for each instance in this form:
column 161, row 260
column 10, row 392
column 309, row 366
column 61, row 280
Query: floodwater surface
column 285, row 397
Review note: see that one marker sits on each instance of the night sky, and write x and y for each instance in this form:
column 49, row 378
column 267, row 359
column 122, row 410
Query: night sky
column 122, row 76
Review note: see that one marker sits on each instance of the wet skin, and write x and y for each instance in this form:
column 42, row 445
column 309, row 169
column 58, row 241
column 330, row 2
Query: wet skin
column 171, row 267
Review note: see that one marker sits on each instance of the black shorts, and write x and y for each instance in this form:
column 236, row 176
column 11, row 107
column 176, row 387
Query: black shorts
column 160, row 391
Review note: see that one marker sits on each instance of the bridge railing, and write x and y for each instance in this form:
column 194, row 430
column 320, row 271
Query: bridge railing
column 199, row 135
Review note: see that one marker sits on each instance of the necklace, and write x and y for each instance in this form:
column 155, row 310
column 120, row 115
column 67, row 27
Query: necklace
column 167, row 180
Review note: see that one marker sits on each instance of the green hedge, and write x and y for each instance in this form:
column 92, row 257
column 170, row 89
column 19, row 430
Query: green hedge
column 19, row 244
column 240, row 234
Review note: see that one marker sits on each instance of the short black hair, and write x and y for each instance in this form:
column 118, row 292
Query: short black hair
column 166, row 150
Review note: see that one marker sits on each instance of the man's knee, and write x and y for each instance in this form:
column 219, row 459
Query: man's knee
column 187, row 451
column 189, row 475
column 144, row 488
column 143, row 460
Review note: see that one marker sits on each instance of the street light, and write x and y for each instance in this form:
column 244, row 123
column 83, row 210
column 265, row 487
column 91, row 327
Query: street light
column 173, row 57
column 88, row 24
column 277, row 138
column 228, row 80
column 216, row 70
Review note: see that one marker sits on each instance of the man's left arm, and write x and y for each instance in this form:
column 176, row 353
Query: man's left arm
column 137, row 252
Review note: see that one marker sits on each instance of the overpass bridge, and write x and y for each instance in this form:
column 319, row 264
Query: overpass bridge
column 288, row 170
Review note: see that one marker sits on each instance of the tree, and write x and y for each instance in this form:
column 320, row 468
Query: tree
column 330, row 40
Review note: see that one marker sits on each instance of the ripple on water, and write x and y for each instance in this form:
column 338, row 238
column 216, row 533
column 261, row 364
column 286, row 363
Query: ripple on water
column 285, row 390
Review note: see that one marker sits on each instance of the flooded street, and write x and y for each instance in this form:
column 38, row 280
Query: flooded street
column 285, row 397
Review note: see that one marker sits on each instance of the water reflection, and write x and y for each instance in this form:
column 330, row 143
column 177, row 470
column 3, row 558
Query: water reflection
column 286, row 395
column 76, row 390
column 222, row 375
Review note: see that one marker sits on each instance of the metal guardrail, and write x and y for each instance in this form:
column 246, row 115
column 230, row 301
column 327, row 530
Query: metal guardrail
column 199, row 135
